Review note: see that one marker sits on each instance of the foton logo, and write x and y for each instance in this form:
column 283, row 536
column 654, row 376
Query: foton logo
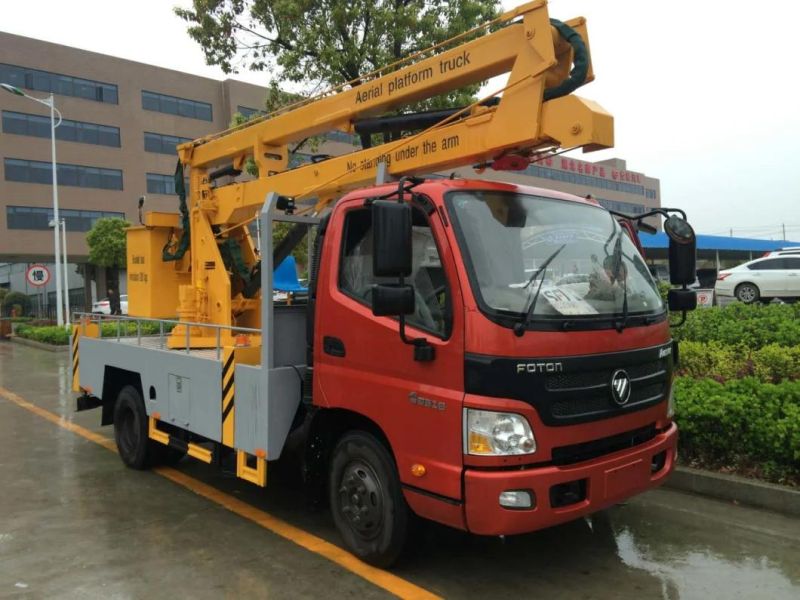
column 542, row 367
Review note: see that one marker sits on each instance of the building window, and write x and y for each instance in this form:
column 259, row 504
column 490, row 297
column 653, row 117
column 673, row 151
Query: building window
column 68, row 131
column 160, row 184
column 586, row 180
column 340, row 136
column 622, row 207
column 248, row 112
column 176, row 106
column 65, row 85
column 34, row 171
column 37, row 218
column 162, row 144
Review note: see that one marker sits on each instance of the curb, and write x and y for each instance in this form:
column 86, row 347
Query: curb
column 737, row 489
column 39, row 345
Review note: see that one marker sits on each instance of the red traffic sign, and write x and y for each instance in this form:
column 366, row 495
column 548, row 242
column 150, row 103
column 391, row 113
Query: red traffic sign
column 38, row 275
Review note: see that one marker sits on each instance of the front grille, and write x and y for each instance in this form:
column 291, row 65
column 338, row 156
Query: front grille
column 568, row 390
column 567, row 455
column 588, row 394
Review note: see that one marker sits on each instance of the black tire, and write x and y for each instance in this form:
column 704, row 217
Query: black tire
column 747, row 293
column 134, row 446
column 130, row 429
column 367, row 504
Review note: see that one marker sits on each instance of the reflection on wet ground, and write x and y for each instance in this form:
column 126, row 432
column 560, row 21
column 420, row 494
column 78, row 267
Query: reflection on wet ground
column 75, row 523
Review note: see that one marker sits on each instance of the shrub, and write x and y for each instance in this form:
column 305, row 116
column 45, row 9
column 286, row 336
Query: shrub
column 742, row 423
column 770, row 364
column 16, row 301
column 750, row 325
column 774, row 363
column 52, row 334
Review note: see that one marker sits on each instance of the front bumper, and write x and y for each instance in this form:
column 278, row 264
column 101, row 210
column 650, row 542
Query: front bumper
column 606, row 481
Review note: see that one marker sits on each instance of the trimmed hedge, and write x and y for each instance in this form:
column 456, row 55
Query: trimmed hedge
column 749, row 325
column 59, row 336
column 770, row 364
column 745, row 424
column 51, row 334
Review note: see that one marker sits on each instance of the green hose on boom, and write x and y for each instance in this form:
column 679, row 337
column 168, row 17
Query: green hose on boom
column 580, row 62
column 183, row 244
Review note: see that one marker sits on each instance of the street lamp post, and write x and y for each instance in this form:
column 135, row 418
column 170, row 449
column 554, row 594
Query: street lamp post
column 49, row 102
column 66, row 278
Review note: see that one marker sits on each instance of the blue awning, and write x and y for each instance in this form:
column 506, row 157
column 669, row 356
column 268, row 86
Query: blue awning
column 718, row 242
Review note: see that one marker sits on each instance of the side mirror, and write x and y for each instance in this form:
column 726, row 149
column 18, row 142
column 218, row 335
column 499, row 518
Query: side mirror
column 681, row 300
column 682, row 251
column 392, row 300
column 391, row 230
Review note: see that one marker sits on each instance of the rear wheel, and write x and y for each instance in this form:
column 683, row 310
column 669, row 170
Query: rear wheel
column 135, row 447
column 366, row 500
column 747, row 293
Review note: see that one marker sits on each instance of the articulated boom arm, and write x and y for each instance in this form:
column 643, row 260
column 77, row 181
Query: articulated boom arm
column 526, row 45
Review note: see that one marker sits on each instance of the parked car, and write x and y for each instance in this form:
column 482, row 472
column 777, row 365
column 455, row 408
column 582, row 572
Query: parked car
column 787, row 251
column 761, row 279
column 103, row 306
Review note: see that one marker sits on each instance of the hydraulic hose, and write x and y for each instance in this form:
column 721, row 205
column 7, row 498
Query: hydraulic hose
column 580, row 62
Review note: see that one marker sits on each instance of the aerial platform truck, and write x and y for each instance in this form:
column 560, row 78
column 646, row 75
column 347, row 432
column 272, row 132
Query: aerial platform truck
column 493, row 357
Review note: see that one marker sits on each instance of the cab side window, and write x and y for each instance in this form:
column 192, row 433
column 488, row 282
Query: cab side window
column 432, row 305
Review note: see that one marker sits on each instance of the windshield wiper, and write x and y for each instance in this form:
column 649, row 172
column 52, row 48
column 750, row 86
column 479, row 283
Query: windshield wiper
column 521, row 325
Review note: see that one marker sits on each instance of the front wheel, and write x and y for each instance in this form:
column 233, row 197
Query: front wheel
column 366, row 500
column 747, row 293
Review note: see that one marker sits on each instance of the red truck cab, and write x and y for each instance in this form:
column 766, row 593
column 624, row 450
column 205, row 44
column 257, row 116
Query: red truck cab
column 543, row 388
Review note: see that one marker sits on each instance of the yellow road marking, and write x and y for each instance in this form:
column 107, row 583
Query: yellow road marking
column 383, row 579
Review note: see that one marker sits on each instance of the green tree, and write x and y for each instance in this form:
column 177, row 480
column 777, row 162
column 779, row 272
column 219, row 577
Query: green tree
column 107, row 247
column 106, row 242
column 16, row 302
column 320, row 43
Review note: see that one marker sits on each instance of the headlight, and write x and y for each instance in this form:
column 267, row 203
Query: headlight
column 671, row 402
column 488, row 433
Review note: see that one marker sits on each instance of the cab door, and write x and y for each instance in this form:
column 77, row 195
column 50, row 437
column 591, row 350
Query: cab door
column 361, row 363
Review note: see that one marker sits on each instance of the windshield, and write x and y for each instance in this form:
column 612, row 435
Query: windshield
column 508, row 237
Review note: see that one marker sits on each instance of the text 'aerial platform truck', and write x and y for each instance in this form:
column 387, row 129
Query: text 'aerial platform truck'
column 489, row 356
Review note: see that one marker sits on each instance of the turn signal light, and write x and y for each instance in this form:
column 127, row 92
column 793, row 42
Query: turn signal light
column 418, row 470
column 479, row 444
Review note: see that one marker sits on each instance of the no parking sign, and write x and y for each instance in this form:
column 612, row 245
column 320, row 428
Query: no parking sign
column 705, row 298
column 37, row 275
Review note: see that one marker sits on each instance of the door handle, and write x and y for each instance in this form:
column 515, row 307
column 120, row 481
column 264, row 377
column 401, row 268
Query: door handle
column 333, row 346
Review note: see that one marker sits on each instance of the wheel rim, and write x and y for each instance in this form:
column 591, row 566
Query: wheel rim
column 361, row 499
column 128, row 434
column 747, row 293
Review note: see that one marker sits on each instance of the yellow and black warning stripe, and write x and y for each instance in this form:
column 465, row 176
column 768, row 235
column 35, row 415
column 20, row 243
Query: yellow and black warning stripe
column 193, row 450
column 228, row 395
column 75, row 357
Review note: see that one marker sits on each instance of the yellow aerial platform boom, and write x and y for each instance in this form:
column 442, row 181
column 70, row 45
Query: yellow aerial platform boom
column 544, row 60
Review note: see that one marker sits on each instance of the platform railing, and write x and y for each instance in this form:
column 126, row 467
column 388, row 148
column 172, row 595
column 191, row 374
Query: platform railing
column 163, row 329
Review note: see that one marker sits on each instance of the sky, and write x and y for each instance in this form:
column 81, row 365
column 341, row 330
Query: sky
column 703, row 92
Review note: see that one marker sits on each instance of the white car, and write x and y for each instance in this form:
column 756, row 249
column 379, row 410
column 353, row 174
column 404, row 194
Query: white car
column 787, row 251
column 103, row 306
column 761, row 279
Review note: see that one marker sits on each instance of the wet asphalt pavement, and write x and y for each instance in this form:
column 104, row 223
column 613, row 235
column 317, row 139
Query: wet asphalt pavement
column 74, row 523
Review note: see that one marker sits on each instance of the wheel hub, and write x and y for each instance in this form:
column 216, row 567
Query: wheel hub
column 361, row 499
